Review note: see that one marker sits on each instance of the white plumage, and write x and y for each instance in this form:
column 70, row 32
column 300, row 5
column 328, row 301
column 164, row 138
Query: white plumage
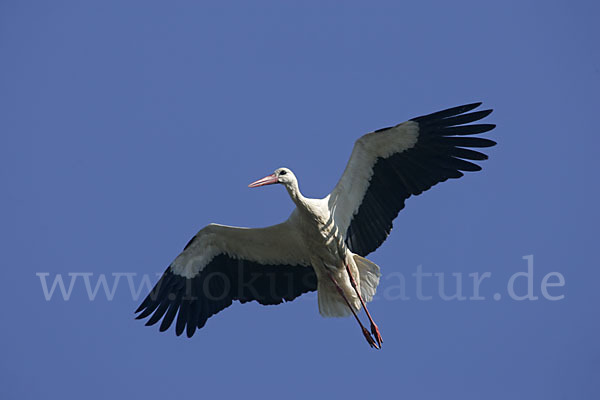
column 322, row 245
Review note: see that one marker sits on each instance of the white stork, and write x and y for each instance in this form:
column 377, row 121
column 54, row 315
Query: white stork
column 322, row 244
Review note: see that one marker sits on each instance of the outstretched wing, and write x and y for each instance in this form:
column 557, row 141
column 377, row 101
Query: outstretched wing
column 391, row 164
column 222, row 264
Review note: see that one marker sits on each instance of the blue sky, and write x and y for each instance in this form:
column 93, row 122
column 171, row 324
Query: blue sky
column 127, row 126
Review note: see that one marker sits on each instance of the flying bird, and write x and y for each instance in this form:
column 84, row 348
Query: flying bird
column 322, row 245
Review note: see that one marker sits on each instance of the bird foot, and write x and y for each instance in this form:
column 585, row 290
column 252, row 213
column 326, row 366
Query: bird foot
column 369, row 338
column 375, row 332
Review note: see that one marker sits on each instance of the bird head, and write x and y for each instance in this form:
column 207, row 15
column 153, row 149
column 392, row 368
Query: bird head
column 281, row 175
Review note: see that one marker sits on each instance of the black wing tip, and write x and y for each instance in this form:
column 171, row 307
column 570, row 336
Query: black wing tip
column 490, row 143
column 452, row 112
column 461, row 109
column 481, row 114
column 191, row 329
column 471, row 106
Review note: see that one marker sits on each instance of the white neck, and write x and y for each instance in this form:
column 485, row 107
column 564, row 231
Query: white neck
column 296, row 195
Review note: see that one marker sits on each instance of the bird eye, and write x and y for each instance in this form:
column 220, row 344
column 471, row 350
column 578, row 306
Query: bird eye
column 282, row 173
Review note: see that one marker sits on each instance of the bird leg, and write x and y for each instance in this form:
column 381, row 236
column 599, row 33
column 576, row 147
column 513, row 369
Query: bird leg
column 364, row 330
column 374, row 328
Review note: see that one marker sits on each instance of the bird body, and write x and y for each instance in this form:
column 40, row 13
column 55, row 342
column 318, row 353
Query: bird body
column 322, row 245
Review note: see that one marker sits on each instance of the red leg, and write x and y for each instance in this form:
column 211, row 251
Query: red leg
column 364, row 330
column 374, row 328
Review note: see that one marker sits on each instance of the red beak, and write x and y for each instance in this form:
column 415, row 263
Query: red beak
column 267, row 180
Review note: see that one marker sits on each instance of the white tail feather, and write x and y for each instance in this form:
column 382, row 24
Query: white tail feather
column 331, row 304
column 369, row 277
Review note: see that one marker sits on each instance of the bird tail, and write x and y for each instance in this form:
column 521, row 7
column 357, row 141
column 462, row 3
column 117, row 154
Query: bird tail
column 331, row 304
column 369, row 277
